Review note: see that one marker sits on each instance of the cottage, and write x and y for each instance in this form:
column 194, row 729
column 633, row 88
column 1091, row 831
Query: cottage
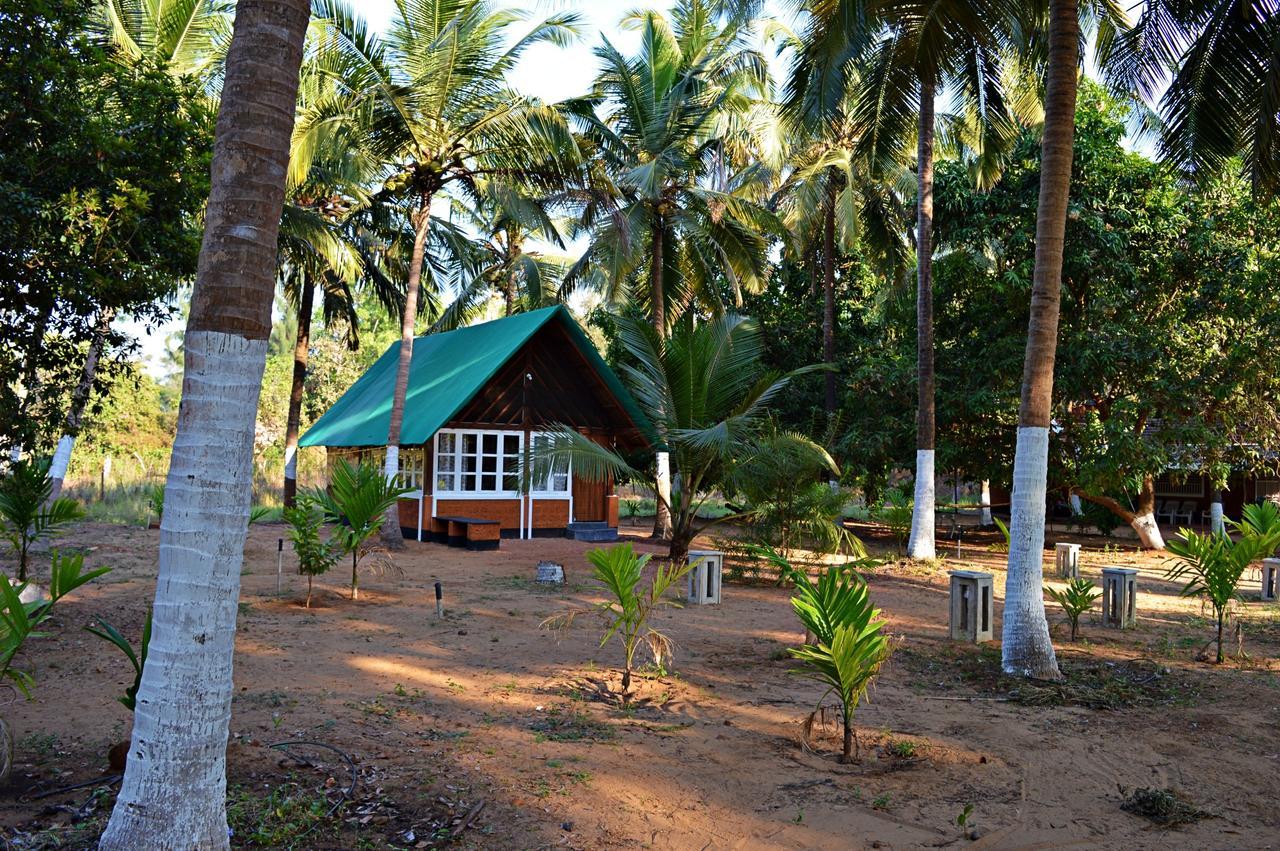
column 478, row 398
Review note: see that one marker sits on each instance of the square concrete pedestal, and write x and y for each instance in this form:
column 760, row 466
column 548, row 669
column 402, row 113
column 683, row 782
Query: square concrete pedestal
column 704, row 578
column 1119, row 597
column 1066, row 560
column 971, row 606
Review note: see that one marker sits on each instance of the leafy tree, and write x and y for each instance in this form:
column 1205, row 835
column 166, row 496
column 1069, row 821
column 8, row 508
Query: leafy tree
column 105, row 167
column 357, row 499
column 27, row 512
column 849, row 644
column 627, row 612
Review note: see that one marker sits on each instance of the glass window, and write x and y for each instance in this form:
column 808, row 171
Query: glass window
column 556, row 479
column 478, row 462
column 411, row 468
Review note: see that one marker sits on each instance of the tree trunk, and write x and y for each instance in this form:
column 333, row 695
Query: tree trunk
column 1220, row 620
column 79, row 398
column 174, row 788
column 846, row 754
column 1142, row 521
column 921, row 543
column 662, row 478
column 355, row 575
column 1217, row 525
column 986, row 504
column 392, row 537
column 1026, row 647
column 829, row 299
column 301, row 352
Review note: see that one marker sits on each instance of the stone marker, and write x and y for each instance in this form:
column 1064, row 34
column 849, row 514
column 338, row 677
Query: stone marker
column 1119, row 597
column 1066, row 560
column 971, row 606
column 704, row 578
column 1270, row 580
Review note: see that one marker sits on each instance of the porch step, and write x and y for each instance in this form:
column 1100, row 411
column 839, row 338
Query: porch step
column 595, row 531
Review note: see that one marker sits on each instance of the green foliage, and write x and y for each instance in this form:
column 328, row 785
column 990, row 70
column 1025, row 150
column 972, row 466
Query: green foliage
column 105, row 168
column 1076, row 599
column 357, row 500
column 138, row 660
column 155, row 501
column 26, row 515
column 895, row 513
column 850, row 643
column 626, row 613
column 1001, row 546
column 20, row 621
column 1212, row 565
column 787, row 504
column 315, row 554
column 1260, row 521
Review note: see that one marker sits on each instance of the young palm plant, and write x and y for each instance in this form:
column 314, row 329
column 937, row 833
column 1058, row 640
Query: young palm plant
column 849, row 644
column 627, row 611
column 358, row 498
column 1212, row 565
column 26, row 513
column 706, row 395
column 1076, row 599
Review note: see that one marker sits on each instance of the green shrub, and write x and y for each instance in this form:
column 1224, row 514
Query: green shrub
column 357, row 500
column 315, row 555
column 109, row 633
column 895, row 513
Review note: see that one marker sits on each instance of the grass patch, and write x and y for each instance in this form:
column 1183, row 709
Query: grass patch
column 568, row 725
column 286, row 816
column 1091, row 683
column 1162, row 806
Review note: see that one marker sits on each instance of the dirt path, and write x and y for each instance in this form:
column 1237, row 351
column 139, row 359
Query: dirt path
column 440, row 715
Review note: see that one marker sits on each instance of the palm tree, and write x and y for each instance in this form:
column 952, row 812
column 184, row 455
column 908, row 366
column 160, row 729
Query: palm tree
column 907, row 52
column 173, row 793
column 189, row 37
column 429, row 99
column 667, row 224
column 1218, row 60
column 706, row 394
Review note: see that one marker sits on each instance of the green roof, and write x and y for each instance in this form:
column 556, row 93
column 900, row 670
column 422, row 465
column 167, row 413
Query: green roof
column 447, row 371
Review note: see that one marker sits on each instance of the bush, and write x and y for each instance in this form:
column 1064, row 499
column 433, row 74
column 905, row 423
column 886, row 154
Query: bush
column 895, row 512
column 109, row 633
column 315, row 555
column 26, row 513
column 357, row 499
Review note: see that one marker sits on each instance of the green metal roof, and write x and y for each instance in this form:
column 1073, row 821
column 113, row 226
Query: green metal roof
column 447, row 371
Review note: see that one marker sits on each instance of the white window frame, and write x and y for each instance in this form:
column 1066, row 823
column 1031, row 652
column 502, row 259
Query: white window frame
column 455, row 465
column 540, row 488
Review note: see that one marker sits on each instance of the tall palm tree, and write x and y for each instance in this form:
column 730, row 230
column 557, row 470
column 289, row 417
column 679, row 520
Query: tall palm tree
column 1217, row 60
column 189, row 37
column 667, row 224
column 908, row 51
column 173, row 793
column 429, row 98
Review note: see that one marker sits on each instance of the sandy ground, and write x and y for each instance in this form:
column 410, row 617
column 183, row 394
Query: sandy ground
column 484, row 725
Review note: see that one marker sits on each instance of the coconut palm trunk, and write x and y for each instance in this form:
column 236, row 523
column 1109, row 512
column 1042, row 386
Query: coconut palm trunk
column 301, row 353
column 662, row 475
column 1026, row 647
column 79, row 399
column 1217, row 523
column 391, row 534
column 829, row 299
column 921, row 543
column 174, row 789
column 985, row 504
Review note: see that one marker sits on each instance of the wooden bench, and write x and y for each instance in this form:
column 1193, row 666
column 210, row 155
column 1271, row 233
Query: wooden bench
column 470, row 532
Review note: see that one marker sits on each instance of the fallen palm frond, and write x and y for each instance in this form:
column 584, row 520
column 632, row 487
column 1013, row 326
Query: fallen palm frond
column 1162, row 806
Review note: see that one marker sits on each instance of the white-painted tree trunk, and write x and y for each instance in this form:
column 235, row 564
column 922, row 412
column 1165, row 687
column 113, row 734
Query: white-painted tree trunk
column 986, row 503
column 1217, row 524
column 1027, row 649
column 1077, row 507
column 662, row 482
column 1148, row 531
column 921, row 543
column 58, row 466
column 291, row 463
column 179, row 743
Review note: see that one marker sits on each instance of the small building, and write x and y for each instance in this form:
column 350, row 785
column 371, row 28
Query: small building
column 478, row 397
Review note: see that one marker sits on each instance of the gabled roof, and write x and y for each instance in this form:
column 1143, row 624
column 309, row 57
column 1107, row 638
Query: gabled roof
column 446, row 373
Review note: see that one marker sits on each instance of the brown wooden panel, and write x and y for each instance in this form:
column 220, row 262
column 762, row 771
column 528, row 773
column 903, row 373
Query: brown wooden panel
column 550, row 513
column 589, row 500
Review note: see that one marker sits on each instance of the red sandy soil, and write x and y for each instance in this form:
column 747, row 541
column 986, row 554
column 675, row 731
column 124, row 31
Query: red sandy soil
column 483, row 707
